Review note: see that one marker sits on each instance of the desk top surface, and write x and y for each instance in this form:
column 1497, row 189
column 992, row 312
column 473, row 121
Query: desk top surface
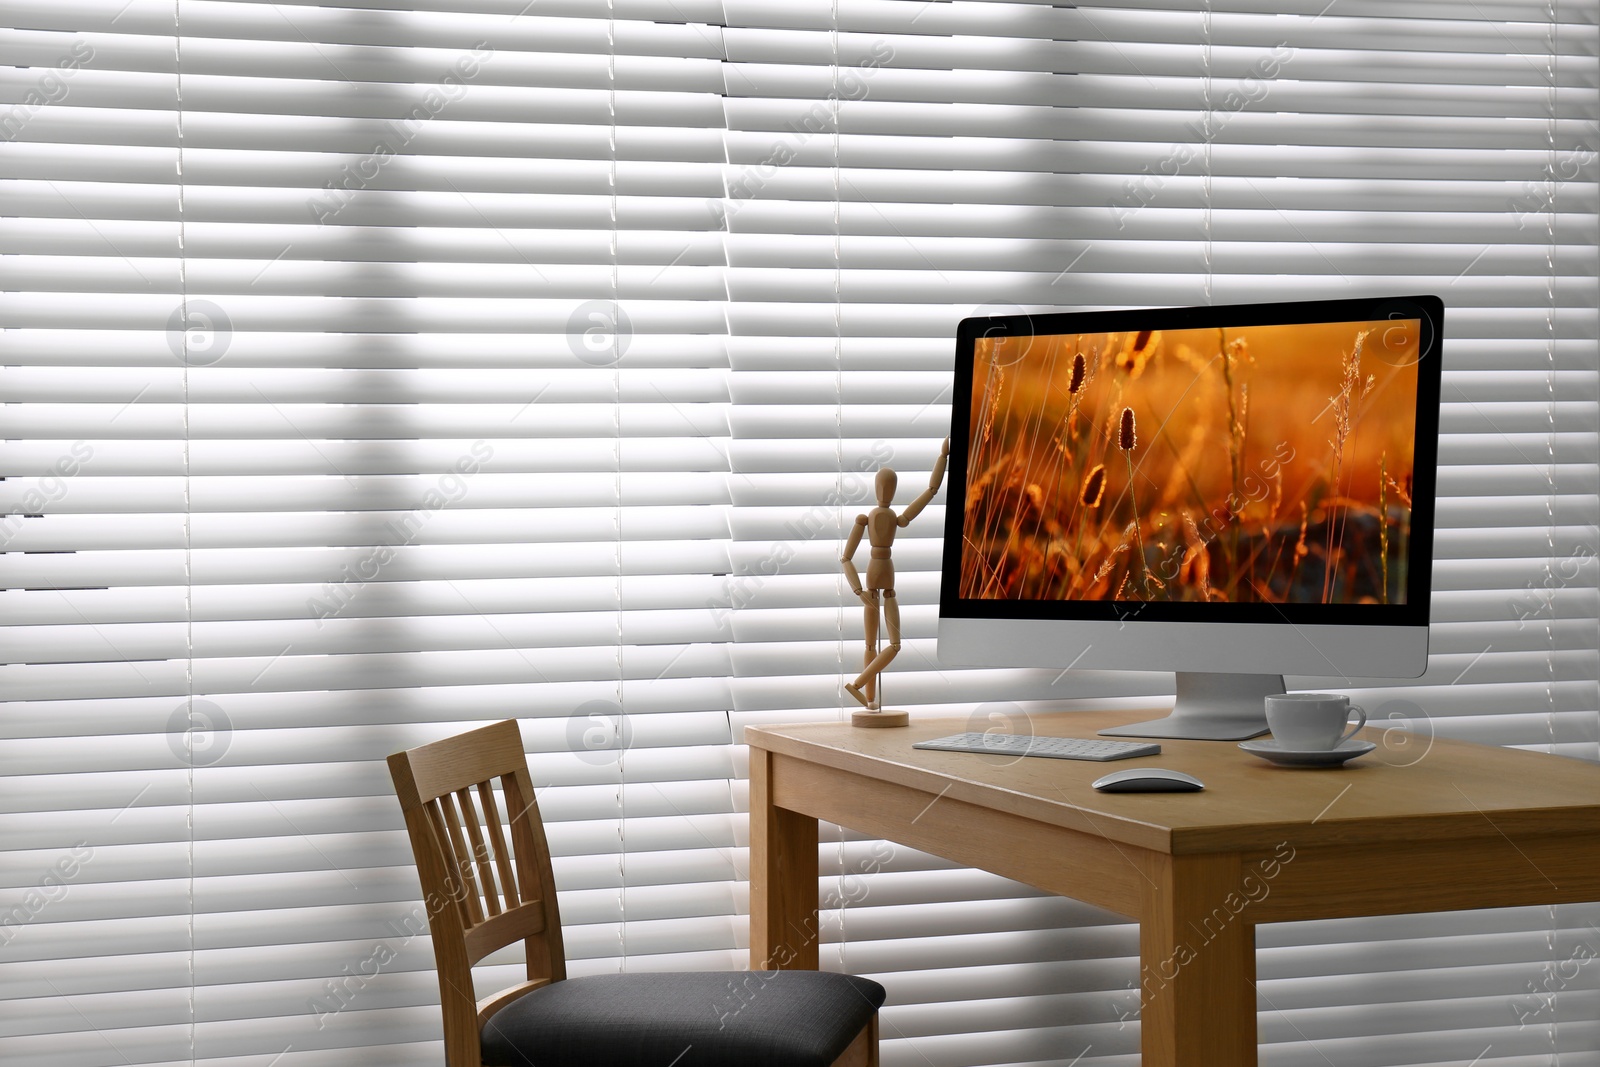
column 1412, row 787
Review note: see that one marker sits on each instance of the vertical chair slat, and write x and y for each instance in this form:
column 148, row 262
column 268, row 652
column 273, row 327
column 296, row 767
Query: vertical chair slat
column 462, row 860
column 480, row 852
column 491, row 817
column 441, row 834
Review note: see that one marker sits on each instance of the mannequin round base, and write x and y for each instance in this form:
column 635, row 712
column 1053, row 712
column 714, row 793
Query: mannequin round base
column 880, row 718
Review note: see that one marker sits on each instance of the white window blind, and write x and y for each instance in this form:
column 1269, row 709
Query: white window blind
column 374, row 371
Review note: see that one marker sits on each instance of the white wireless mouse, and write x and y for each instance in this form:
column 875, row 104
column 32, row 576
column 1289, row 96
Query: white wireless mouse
column 1148, row 780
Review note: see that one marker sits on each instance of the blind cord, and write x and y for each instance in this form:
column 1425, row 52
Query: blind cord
column 188, row 520
column 1552, row 112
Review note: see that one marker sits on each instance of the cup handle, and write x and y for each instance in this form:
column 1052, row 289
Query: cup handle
column 1361, row 720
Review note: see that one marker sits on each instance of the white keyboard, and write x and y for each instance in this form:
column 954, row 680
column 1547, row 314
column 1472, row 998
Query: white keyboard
column 1054, row 747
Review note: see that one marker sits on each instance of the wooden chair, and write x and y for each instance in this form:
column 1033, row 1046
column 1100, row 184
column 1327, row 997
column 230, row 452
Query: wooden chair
column 485, row 888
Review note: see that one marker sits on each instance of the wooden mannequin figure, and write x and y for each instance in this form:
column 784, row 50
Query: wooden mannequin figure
column 880, row 525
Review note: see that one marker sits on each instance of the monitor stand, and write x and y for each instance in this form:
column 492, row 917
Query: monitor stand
column 1212, row 707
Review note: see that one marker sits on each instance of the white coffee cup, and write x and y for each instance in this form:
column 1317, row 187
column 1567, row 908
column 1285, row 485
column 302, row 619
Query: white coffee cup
column 1312, row 721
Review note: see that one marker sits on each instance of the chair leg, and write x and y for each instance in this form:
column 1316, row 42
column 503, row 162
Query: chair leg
column 863, row 1051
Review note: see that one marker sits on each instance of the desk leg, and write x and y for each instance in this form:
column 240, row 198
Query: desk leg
column 1197, row 964
column 783, row 878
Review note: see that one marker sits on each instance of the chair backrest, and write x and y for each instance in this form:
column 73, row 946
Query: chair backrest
column 482, row 890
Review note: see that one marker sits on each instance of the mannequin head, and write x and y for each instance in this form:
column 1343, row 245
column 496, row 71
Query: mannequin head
column 884, row 486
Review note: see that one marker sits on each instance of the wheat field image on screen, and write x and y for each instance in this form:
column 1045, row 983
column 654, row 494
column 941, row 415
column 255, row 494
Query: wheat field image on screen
column 1267, row 464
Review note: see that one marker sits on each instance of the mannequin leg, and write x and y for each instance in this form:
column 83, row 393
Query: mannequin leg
column 891, row 619
column 869, row 627
column 874, row 667
column 869, row 690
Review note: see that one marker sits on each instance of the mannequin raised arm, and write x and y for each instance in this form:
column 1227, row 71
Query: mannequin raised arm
column 913, row 509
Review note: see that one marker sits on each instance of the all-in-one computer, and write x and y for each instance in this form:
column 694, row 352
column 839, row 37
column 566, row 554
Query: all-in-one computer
column 1231, row 493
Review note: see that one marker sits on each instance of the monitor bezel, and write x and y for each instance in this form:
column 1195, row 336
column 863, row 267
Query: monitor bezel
column 1415, row 612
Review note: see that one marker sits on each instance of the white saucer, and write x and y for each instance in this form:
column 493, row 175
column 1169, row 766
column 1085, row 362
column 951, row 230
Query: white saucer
column 1269, row 749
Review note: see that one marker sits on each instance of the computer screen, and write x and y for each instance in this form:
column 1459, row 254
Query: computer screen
column 1239, row 490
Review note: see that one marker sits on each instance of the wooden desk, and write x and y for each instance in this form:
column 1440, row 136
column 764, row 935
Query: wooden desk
column 1463, row 826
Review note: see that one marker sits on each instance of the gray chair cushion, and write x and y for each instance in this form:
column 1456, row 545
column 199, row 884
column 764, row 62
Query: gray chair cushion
column 684, row 1019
